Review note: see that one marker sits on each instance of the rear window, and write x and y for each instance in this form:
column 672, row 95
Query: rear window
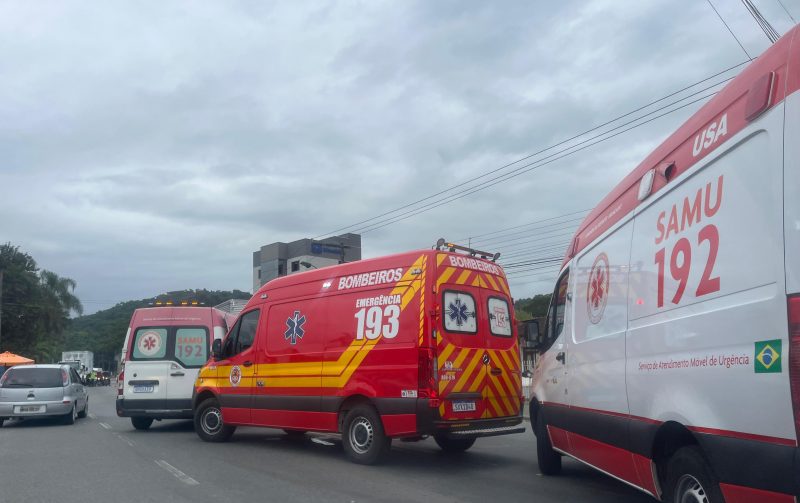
column 185, row 345
column 499, row 319
column 34, row 378
column 190, row 346
column 459, row 312
column 150, row 343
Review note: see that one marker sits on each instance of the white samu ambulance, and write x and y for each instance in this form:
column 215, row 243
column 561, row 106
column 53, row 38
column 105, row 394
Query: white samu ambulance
column 670, row 358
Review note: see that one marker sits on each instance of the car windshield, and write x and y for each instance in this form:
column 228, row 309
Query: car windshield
column 33, row 378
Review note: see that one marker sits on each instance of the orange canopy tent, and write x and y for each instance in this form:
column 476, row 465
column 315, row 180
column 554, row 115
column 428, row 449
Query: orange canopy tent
column 9, row 359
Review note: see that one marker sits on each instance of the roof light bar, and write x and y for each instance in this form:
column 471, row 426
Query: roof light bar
column 442, row 243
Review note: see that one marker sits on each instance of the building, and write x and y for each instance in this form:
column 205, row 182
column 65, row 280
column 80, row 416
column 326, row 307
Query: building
column 281, row 259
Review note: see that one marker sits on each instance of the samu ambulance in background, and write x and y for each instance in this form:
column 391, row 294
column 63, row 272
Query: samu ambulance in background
column 163, row 350
column 671, row 354
column 404, row 346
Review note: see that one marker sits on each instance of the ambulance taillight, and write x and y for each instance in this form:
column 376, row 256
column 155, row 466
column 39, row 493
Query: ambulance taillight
column 794, row 358
column 427, row 376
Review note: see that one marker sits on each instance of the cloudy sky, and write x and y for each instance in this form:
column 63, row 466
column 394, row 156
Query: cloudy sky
column 153, row 146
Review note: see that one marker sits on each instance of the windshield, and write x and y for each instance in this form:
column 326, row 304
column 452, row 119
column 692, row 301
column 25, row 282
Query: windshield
column 33, row 378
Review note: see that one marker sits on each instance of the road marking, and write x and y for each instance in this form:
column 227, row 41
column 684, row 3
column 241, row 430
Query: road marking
column 130, row 443
column 321, row 442
column 92, row 416
column 177, row 473
column 104, row 425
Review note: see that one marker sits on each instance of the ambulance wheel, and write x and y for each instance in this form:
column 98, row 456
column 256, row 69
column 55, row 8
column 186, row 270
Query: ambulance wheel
column 208, row 422
column 690, row 479
column 363, row 438
column 448, row 444
column 549, row 460
column 141, row 423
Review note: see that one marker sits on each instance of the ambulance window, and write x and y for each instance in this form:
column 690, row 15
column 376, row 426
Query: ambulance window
column 499, row 319
column 191, row 346
column 247, row 331
column 150, row 343
column 459, row 312
column 558, row 304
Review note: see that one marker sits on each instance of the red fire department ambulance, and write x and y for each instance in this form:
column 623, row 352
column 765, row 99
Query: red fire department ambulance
column 409, row 345
column 671, row 353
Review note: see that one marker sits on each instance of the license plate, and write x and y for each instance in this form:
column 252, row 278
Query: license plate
column 29, row 409
column 464, row 406
column 143, row 389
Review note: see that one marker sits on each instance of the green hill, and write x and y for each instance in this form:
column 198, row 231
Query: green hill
column 104, row 331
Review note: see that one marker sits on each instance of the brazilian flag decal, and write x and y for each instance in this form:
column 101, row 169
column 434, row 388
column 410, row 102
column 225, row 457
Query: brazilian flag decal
column 768, row 356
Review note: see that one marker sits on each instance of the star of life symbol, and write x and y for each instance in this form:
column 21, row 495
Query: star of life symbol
column 295, row 330
column 457, row 311
column 149, row 343
column 597, row 289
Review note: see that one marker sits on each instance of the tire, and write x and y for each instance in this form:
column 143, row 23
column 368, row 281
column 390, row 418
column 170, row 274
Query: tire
column 85, row 411
column 454, row 445
column 690, row 479
column 141, row 423
column 71, row 416
column 208, row 422
column 363, row 438
column 549, row 460
column 2, row 420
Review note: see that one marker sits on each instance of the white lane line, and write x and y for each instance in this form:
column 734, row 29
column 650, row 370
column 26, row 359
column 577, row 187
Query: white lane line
column 104, row 425
column 92, row 416
column 130, row 443
column 321, row 442
column 177, row 473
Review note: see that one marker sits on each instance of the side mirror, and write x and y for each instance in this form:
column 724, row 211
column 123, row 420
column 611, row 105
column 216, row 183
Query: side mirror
column 216, row 349
column 527, row 373
column 530, row 334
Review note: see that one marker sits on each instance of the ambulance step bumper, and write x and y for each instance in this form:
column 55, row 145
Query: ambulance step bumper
column 486, row 432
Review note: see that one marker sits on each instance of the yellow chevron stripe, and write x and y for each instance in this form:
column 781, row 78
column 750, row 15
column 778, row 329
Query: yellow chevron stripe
column 460, row 358
column 445, row 276
column 444, row 355
column 491, row 281
column 440, row 258
column 463, row 277
column 467, row 372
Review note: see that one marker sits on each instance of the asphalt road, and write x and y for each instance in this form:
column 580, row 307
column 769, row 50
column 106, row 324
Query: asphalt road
column 102, row 458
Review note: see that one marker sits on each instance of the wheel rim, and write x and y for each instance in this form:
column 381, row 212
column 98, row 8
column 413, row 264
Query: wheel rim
column 211, row 422
column 690, row 490
column 362, row 435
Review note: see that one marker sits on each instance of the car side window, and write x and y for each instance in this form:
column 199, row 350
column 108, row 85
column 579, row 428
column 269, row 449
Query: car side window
column 247, row 331
column 557, row 311
column 242, row 335
column 74, row 376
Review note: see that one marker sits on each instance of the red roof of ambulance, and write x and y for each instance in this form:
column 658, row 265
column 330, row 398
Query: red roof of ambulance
column 623, row 198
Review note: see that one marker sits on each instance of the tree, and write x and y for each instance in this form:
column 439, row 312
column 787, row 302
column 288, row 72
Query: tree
column 36, row 306
column 534, row 307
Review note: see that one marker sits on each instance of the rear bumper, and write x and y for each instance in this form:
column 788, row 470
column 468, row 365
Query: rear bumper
column 430, row 423
column 157, row 409
column 51, row 409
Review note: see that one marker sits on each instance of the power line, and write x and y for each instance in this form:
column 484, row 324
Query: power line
column 528, row 251
column 451, row 188
column 762, row 22
column 786, row 11
column 537, row 164
column 522, row 225
column 531, row 232
column 729, row 30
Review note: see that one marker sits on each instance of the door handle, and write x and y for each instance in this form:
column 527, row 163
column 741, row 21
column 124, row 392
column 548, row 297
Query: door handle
column 496, row 371
column 177, row 374
column 561, row 357
column 248, row 364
